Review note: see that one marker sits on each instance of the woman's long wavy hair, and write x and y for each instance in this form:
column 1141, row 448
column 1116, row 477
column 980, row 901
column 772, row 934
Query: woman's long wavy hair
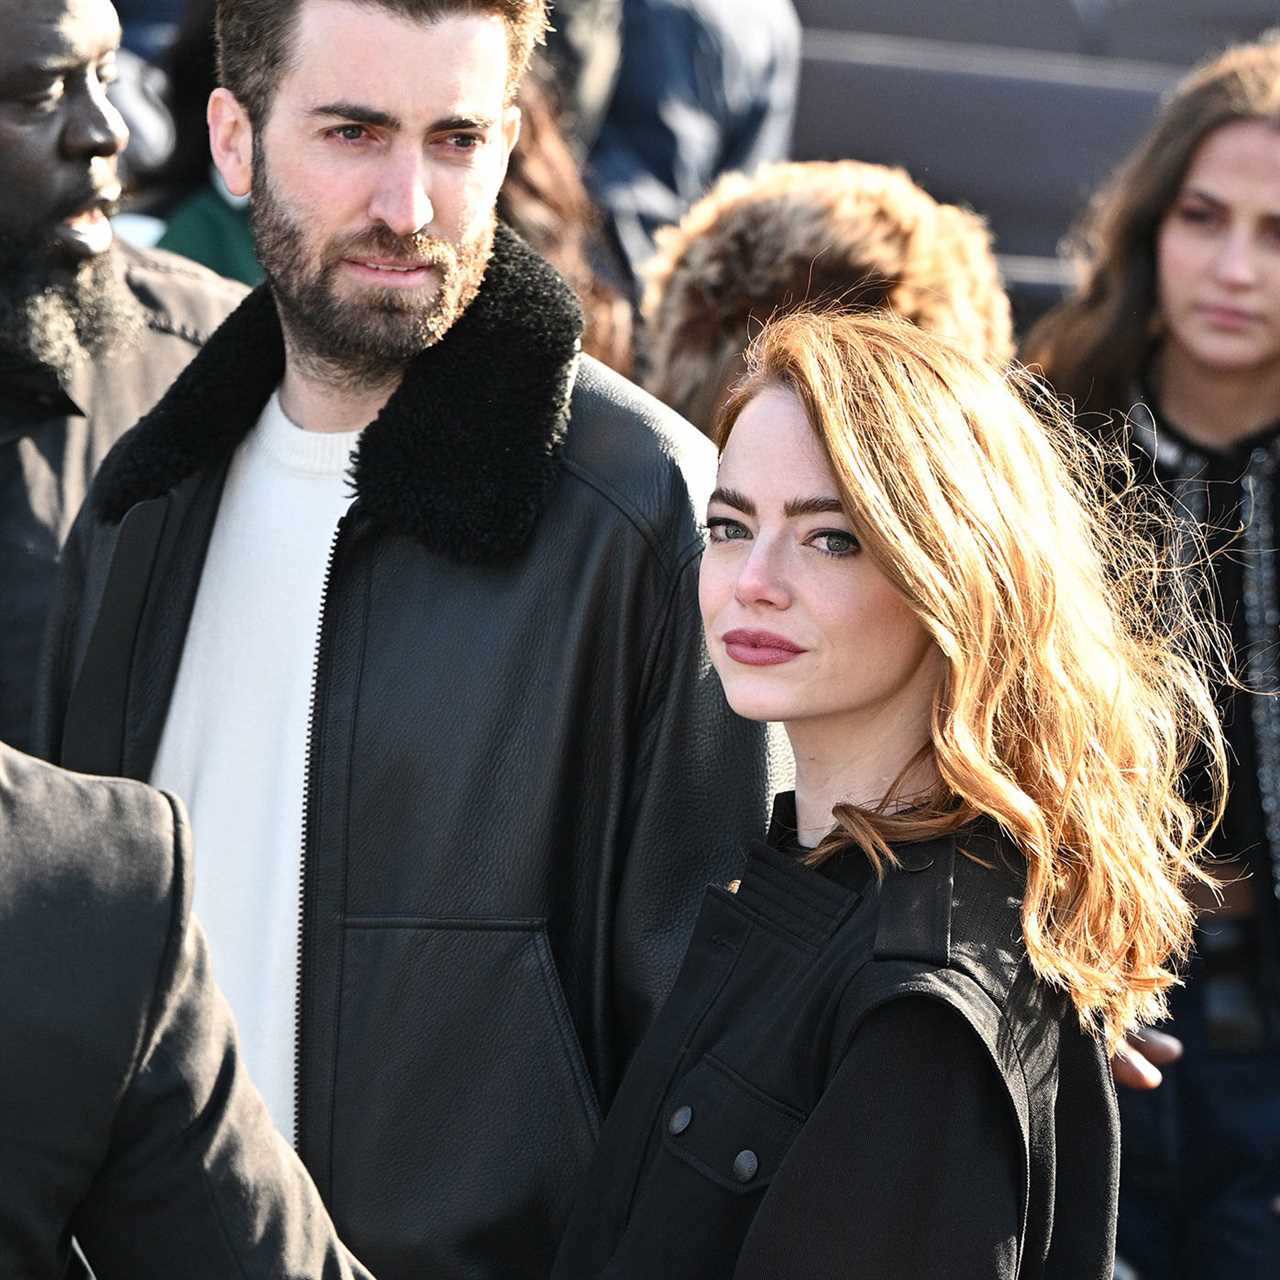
column 1095, row 346
column 1076, row 672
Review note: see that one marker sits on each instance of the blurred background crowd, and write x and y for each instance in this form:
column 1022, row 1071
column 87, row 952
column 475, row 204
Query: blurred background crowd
column 694, row 166
column 1016, row 109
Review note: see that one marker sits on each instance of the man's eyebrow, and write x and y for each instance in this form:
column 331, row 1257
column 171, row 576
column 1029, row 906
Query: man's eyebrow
column 58, row 64
column 452, row 124
column 732, row 498
column 813, row 506
column 358, row 114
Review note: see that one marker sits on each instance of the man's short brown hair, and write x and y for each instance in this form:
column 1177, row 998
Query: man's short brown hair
column 253, row 39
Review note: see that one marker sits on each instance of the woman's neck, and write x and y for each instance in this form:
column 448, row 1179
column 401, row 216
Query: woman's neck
column 839, row 768
column 1212, row 408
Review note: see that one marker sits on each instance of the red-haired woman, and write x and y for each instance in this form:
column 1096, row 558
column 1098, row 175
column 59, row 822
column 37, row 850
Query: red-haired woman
column 1177, row 326
column 885, row 1055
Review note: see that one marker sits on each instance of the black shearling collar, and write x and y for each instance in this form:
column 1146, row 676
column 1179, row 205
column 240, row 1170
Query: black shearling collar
column 462, row 456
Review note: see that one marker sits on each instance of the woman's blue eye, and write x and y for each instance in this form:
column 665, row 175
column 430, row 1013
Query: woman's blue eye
column 837, row 542
column 722, row 529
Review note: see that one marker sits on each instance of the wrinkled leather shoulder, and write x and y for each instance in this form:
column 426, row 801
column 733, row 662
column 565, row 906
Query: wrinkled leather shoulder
column 641, row 455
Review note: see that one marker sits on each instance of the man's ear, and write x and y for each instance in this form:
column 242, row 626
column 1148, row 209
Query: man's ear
column 511, row 118
column 231, row 140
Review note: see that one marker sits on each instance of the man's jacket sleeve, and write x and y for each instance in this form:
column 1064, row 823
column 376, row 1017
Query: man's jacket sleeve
column 57, row 668
column 702, row 782
column 198, row 1183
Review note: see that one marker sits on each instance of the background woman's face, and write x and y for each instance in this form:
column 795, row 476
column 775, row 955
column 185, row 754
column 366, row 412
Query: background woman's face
column 802, row 625
column 1218, row 254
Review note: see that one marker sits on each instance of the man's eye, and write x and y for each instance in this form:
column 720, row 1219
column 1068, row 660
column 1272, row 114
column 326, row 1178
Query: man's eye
column 835, row 542
column 722, row 529
column 46, row 101
column 349, row 132
column 464, row 141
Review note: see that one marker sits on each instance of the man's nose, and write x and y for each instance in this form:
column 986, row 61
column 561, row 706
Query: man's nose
column 401, row 200
column 94, row 126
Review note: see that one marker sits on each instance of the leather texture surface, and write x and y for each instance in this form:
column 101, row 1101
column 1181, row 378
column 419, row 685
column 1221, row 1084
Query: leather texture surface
column 524, row 773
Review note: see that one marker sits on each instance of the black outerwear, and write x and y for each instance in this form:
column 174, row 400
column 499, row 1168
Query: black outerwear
column 767, row 1130
column 126, row 1117
column 1230, row 497
column 52, row 438
column 522, row 772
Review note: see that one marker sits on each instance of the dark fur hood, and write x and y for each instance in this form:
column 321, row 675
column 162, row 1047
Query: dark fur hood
column 465, row 452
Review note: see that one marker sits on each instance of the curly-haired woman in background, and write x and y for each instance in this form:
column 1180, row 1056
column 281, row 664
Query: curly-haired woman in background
column 1177, row 325
column 835, row 233
column 885, row 1054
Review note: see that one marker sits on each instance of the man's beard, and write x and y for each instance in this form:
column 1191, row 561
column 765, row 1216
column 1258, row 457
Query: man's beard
column 59, row 315
column 364, row 343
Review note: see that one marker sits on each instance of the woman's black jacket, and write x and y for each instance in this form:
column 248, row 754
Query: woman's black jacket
column 858, row 1078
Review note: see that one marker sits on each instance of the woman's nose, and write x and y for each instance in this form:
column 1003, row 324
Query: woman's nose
column 762, row 576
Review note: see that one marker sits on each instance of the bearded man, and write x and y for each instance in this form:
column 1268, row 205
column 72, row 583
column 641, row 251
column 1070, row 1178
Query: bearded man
column 91, row 333
column 460, row 768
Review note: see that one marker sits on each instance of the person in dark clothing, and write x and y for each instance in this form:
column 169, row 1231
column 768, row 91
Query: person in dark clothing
column 705, row 87
column 584, row 50
column 126, row 1117
column 396, row 589
column 91, row 332
column 885, row 1054
column 150, row 25
column 1173, row 342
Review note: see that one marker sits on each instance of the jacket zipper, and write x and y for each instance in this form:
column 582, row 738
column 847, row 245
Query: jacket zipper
column 308, row 788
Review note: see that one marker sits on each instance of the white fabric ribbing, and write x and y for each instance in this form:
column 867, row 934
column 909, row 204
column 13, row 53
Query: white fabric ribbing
column 234, row 742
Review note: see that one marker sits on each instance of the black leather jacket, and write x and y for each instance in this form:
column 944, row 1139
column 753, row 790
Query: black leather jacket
column 521, row 775
column 126, row 1116
column 771, row 1126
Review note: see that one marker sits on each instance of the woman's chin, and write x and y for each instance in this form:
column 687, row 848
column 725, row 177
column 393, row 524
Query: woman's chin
column 756, row 704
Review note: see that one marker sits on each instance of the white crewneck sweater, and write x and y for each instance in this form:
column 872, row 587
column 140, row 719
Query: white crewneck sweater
column 234, row 742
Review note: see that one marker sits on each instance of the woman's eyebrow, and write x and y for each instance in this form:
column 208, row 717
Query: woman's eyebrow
column 794, row 507
column 813, row 506
column 732, row 498
column 1199, row 193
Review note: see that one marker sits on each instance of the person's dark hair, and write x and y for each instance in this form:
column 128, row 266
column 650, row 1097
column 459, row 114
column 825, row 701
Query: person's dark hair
column 253, row 39
column 192, row 73
column 1094, row 347
column 545, row 200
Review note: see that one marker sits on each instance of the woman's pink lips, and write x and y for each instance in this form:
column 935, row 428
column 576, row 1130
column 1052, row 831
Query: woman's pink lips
column 759, row 648
column 1228, row 317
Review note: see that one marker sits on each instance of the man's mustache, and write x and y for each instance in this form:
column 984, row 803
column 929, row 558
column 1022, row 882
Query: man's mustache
column 418, row 249
column 106, row 198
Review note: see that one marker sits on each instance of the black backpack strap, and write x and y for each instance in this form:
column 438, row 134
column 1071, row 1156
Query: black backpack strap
column 915, row 904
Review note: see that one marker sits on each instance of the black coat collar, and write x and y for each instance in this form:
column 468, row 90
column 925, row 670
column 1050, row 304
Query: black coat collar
column 465, row 452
